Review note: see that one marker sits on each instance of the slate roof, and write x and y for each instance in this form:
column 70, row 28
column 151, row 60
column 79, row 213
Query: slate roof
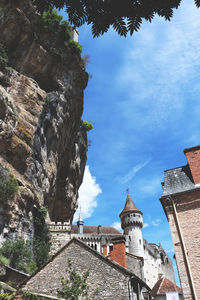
column 177, row 180
column 129, row 206
column 87, row 229
column 164, row 286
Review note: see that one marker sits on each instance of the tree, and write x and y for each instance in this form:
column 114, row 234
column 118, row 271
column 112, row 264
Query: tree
column 124, row 15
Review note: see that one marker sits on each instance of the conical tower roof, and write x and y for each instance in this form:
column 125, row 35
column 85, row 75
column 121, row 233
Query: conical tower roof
column 129, row 206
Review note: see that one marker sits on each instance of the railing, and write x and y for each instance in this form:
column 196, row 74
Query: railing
column 59, row 226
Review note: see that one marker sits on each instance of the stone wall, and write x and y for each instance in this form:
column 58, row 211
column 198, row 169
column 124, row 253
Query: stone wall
column 188, row 211
column 105, row 281
column 134, row 264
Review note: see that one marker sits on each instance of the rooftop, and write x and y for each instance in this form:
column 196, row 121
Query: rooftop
column 96, row 230
column 178, row 180
column 164, row 286
column 130, row 206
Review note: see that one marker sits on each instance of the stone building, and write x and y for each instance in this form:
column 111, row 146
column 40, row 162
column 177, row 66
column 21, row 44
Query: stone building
column 106, row 280
column 181, row 203
column 146, row 260
column 164, row 289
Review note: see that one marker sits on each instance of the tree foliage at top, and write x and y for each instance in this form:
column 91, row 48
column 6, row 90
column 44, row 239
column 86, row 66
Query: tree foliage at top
column 125, row 16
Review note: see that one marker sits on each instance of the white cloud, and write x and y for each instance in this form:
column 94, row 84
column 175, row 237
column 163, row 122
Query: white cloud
column 160, row 61
column 117, row 225
column 88, row 192
column 156, row 222
column 132, row 173
column 145, row 225
column 151, row 186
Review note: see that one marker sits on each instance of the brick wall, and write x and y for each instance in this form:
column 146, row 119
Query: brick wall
column 118, row 253
column 188, row 211
column 105, row 282
column 193, row 158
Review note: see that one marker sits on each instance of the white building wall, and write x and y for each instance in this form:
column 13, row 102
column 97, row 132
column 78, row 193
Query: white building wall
column 134, row 240
column 150, row 269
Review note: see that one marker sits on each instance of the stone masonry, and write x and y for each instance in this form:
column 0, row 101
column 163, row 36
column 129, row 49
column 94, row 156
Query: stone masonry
column 107, row 280
column 181, row 203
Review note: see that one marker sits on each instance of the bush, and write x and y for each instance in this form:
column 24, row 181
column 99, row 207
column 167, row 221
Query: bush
column 87, row 125
column 52, row 21
column 8, row 185
column 74, row 47
column 3, row 57
column 18, row 252
column 41, row 242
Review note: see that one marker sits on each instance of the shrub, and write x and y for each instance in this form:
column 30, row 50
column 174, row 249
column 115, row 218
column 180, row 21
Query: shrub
column 3, row 57
column 87, row 125
column 8, row 185
column 41, row 242
column 85, row 59
column 4, row 260
column 52, row 22
column 74, row 47
column 18, row 252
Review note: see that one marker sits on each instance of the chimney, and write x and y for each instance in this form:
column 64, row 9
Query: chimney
column 105, row 250
column 193, row 158
column 118, row 251
column 99, row 229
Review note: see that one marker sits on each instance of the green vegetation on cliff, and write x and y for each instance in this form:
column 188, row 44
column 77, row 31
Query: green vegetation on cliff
column 87, row 125
column 8, row 185
column 3, row 57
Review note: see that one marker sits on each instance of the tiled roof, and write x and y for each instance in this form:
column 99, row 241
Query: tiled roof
column 130, row 206
column 178, row 180
column 87, row 229
column 164, row 286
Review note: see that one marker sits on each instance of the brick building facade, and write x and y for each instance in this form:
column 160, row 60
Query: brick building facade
column 181, row 203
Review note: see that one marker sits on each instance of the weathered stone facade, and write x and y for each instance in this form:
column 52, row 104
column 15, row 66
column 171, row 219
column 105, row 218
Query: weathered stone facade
column 181, row 203
column 107, row 280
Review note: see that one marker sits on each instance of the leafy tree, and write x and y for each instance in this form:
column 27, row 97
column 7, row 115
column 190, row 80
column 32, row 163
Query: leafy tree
column 18, row 252
column 41, row 242
column 124, row 15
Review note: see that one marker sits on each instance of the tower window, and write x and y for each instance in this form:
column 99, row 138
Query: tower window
column 129, row 238
column 140, row 242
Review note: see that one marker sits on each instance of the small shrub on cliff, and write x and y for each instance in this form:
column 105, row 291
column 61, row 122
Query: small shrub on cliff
column 8, row 185
column 87, row 125
column 74, row 47
column 53, row 22
column 3, row 57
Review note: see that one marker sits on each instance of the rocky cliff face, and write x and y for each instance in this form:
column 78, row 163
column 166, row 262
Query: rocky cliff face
column 41, row 140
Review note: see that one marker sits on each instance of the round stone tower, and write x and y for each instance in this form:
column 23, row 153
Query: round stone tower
column 131, row 223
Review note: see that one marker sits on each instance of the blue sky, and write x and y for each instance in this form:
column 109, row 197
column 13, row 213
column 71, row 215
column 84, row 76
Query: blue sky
column 143, row 101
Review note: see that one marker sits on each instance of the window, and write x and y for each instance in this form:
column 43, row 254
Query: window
column 111, row 248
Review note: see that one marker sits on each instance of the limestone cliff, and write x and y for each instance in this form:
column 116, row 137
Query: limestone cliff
column 42, row 142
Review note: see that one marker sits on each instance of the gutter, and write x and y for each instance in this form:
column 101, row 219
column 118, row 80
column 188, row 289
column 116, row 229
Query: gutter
column 184, row 251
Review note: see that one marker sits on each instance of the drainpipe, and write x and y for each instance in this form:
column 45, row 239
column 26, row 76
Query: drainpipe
column 184, row 250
